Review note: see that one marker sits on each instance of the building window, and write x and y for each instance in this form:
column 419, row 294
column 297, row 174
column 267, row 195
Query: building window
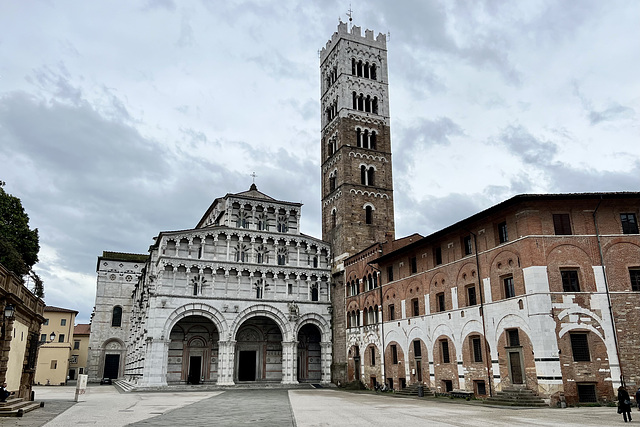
column 513, row 338
column 444, row 347
column 629, row 223
column 73, row 359
column 417, row 349
column 414, row 265
column 477, row 349
column 468, row 247
column 63, row 322
column 471, row 295
column 46, row 322
column 259, row 292
column 562, row 224
column 373, row 356
column 289, row 288
column 43, row 337
column 502, row 232
column 440, row 301
column 587, row 393
column 61, row 338
column 390, row 273
column 314, row 294
column 392, row 312
column 282, row 259
column 76, row 345
column 570, row 281
column 416, row 307
column 54, row 364
column 394, row 354
column 580, row 347
column 481, row 388
column 116, row 316
column 368, row 215
column 438, row 256
column 509, row 289
column 635, row 279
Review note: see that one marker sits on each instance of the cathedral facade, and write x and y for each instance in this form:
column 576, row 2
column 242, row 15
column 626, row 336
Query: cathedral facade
column 242, row 297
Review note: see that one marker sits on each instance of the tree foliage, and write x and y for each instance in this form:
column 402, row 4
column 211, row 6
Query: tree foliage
column 19, row 245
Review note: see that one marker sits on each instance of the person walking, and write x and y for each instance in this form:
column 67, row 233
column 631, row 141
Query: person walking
column 624, row 404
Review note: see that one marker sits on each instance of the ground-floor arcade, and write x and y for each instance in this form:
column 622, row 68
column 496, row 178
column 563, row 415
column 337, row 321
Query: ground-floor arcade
column 260, row 344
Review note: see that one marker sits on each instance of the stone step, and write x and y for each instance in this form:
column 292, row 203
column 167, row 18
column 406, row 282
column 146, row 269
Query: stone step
column 16, row 406
column 124, row 386
column 516, row 397
column 412, row 390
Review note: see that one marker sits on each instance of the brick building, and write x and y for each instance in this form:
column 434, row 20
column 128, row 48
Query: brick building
column 539, row 292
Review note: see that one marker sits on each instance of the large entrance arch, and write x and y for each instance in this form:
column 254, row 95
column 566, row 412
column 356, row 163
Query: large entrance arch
column 309, row 354
column 258, row 352
column 193, row 351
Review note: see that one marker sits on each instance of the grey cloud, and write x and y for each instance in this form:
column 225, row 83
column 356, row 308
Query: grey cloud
column 614, row 112
column 530, row 149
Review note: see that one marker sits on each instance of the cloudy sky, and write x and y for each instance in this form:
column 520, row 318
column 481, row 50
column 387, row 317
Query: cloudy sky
column 119, row 120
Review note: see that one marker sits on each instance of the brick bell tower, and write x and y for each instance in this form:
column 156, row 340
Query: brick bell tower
column 357, row 185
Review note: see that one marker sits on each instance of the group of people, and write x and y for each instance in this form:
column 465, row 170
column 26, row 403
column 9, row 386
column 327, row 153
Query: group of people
column 624, row 403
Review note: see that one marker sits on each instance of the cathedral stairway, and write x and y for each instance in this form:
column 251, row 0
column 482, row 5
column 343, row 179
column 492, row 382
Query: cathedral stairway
column 516, row 397
column 124, row 385
column 16, row 407
column 412, row 391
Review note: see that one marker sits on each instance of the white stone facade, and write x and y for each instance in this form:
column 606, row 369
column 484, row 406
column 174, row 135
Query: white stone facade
column 243, row 297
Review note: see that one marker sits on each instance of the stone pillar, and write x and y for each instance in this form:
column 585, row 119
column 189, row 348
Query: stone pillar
column 226, row 362
column 155, row 363
column 326, row 350
column 289, row 362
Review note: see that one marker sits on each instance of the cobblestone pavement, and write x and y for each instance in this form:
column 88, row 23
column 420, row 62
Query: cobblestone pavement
column 105, row 406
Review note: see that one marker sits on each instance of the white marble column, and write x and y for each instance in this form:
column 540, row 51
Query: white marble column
column 325, row 362
column 226, row 362
column 289, row 362
column 155, row 363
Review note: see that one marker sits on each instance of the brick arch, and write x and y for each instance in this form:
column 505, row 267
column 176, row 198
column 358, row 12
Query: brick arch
column 579, row 258
column 193, row 309
column 616, row 258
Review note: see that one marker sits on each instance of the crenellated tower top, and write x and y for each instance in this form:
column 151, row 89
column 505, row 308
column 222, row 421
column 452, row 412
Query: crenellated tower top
column 355, row 35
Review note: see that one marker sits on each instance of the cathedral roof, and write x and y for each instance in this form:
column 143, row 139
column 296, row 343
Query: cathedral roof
column 254, row 193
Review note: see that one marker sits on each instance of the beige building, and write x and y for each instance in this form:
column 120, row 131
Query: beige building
column 21, row 314
column 79, row 350
column 54, row 356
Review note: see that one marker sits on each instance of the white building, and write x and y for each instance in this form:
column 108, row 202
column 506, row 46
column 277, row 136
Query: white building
column 242, row 297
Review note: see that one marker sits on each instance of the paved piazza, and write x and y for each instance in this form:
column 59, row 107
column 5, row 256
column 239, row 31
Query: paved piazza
column 105, row 406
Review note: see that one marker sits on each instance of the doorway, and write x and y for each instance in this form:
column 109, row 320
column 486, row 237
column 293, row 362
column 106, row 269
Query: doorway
column 515, row 367
column 111, row 366
column 247, row 366
column 195, row 370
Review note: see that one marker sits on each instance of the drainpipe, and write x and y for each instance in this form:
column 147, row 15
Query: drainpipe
column 484, row 326
column 382, row 358
column 606, row 287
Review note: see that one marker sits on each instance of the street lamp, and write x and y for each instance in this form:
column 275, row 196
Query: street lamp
column 9, row 311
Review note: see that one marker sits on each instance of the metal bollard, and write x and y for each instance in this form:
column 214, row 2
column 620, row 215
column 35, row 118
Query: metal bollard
column 421, row 391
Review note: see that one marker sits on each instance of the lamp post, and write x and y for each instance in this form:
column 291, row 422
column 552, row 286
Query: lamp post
column 8, row 313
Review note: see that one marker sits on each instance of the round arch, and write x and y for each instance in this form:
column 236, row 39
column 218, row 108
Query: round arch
column 267, row 311
column 192, row 309
column 316, row 320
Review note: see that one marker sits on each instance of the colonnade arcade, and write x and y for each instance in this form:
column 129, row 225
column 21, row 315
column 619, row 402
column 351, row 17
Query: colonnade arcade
column 260, row 344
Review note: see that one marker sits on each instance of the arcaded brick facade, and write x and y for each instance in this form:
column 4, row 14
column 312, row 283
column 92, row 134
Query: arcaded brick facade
column 525, row 294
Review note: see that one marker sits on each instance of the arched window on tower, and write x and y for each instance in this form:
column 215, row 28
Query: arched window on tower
column 241, row 253
column 368, row 215
column 353, row 66
column 354, row 97
column 367, row 104
column 361, row 102
column 332, row 180
column 282, row 224
column 359, row 68
column 333, row 219
column 373, row 140
column 365, row 139
column 358, row 137
column 363, row 175
column 314, row 292
column 370, row 176
column 375, row 105
column 373, row 72
column 116, row 316
column 366, row 70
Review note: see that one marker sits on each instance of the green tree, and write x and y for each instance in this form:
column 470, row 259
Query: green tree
column 19, row 245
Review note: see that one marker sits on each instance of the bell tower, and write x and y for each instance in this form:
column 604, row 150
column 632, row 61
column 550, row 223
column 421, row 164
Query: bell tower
column 357, row 185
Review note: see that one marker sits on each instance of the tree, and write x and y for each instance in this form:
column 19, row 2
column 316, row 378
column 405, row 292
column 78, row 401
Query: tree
column 19, row 245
